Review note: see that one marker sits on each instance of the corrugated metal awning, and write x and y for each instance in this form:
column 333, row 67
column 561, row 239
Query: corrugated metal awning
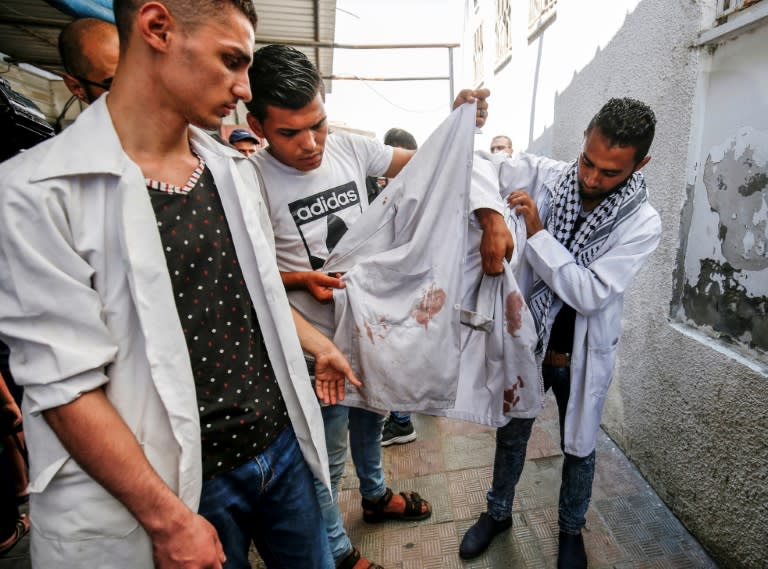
column 29, row 29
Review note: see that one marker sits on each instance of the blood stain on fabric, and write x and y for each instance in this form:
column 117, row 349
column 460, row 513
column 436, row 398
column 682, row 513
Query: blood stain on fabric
column 370, row 333
column 431, row 302
column 511, row 397
column 513, row 308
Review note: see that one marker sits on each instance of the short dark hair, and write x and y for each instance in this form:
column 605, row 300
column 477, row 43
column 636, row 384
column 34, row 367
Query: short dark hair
column 626, row 122
column 188, row 12
column 71, row 43
column 400, row 138
column 281, row 76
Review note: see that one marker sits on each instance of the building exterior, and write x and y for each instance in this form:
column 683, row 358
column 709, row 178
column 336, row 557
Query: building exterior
column 29, row 57
column 689, row 399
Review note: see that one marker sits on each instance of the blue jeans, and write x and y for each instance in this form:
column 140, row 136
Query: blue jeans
column 364, row 428
column 511, row 442
column 271, row 501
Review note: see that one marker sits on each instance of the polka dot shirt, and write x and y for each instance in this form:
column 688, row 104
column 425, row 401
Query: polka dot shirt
column 241, row 408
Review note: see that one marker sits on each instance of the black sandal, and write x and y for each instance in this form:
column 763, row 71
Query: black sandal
column 374, row 512
column 351, row 560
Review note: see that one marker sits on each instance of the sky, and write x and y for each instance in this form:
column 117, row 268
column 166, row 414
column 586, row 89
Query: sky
column 376, row 106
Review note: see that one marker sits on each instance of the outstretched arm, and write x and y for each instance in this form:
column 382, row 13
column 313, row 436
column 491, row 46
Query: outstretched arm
column 401, row 156
column 331, row 367
column 472, row 95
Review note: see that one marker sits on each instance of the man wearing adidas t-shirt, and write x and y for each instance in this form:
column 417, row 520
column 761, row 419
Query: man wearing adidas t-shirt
column 314, row 187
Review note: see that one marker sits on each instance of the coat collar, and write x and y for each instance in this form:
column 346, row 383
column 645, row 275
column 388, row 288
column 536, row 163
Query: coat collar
column 91, row 146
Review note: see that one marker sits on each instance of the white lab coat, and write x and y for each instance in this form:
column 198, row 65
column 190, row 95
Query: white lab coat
column 413, row 275
column 87, row 301
column 596, row 292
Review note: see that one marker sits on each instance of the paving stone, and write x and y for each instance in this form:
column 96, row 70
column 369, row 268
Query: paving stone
column 451, row 465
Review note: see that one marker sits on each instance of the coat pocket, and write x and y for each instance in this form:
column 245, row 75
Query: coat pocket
column 75, row 507
column 600, row 362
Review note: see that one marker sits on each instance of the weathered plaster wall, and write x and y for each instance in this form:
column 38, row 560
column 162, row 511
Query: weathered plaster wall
column 708, row 399
column 724, row 274
column 690, row 412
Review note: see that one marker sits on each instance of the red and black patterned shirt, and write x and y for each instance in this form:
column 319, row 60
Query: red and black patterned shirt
column 241, row 407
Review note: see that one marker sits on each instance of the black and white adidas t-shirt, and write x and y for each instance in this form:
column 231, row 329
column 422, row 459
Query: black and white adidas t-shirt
column 311, row 211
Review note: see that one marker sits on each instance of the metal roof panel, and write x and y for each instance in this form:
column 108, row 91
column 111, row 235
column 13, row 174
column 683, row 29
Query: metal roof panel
column 29, row 29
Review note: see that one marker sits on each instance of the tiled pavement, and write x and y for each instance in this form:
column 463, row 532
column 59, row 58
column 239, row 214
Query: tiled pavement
column 451, row 464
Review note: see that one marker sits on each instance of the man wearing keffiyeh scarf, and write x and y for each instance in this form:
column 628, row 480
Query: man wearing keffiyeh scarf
column 583, row 232
column 590, row 228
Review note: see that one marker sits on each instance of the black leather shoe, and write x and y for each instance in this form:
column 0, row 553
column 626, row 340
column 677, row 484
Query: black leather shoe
column 480, row 535
column 570, row 553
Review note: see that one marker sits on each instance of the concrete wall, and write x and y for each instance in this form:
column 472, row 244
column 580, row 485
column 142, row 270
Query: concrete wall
column 688, row 405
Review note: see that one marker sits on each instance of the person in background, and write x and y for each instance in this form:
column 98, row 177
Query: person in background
column 245, row 141
column 400, row 138
column 170, row 417
column 398, row 427
column 501, row 143
column 89, row 50
column 590, row 229
column 396, row 138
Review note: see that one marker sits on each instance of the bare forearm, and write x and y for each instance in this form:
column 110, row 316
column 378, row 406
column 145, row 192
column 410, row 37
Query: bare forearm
column 294, row 280
column 496, row 243
column 102, row 444
column 331, row 367
column 319, row 285
column 5, row 393
column 311, row 339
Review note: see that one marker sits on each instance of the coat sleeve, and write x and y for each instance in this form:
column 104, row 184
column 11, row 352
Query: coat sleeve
column 535, row 174
column 589, row 289
column 484, row 186
column 51, row 317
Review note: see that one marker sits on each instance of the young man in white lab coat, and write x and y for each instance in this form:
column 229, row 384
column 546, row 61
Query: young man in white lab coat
column 148, row 324
column 590, row 229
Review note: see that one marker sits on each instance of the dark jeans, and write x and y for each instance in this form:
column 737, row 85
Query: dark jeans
column 511, row 442
column 9, row 511
column 271, row 501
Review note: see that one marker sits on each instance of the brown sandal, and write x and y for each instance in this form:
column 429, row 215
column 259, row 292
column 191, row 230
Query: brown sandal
column 354, row 560
column 374, row 512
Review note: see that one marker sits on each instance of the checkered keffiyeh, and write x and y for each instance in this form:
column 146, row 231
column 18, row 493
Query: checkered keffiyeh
column 587, row 243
